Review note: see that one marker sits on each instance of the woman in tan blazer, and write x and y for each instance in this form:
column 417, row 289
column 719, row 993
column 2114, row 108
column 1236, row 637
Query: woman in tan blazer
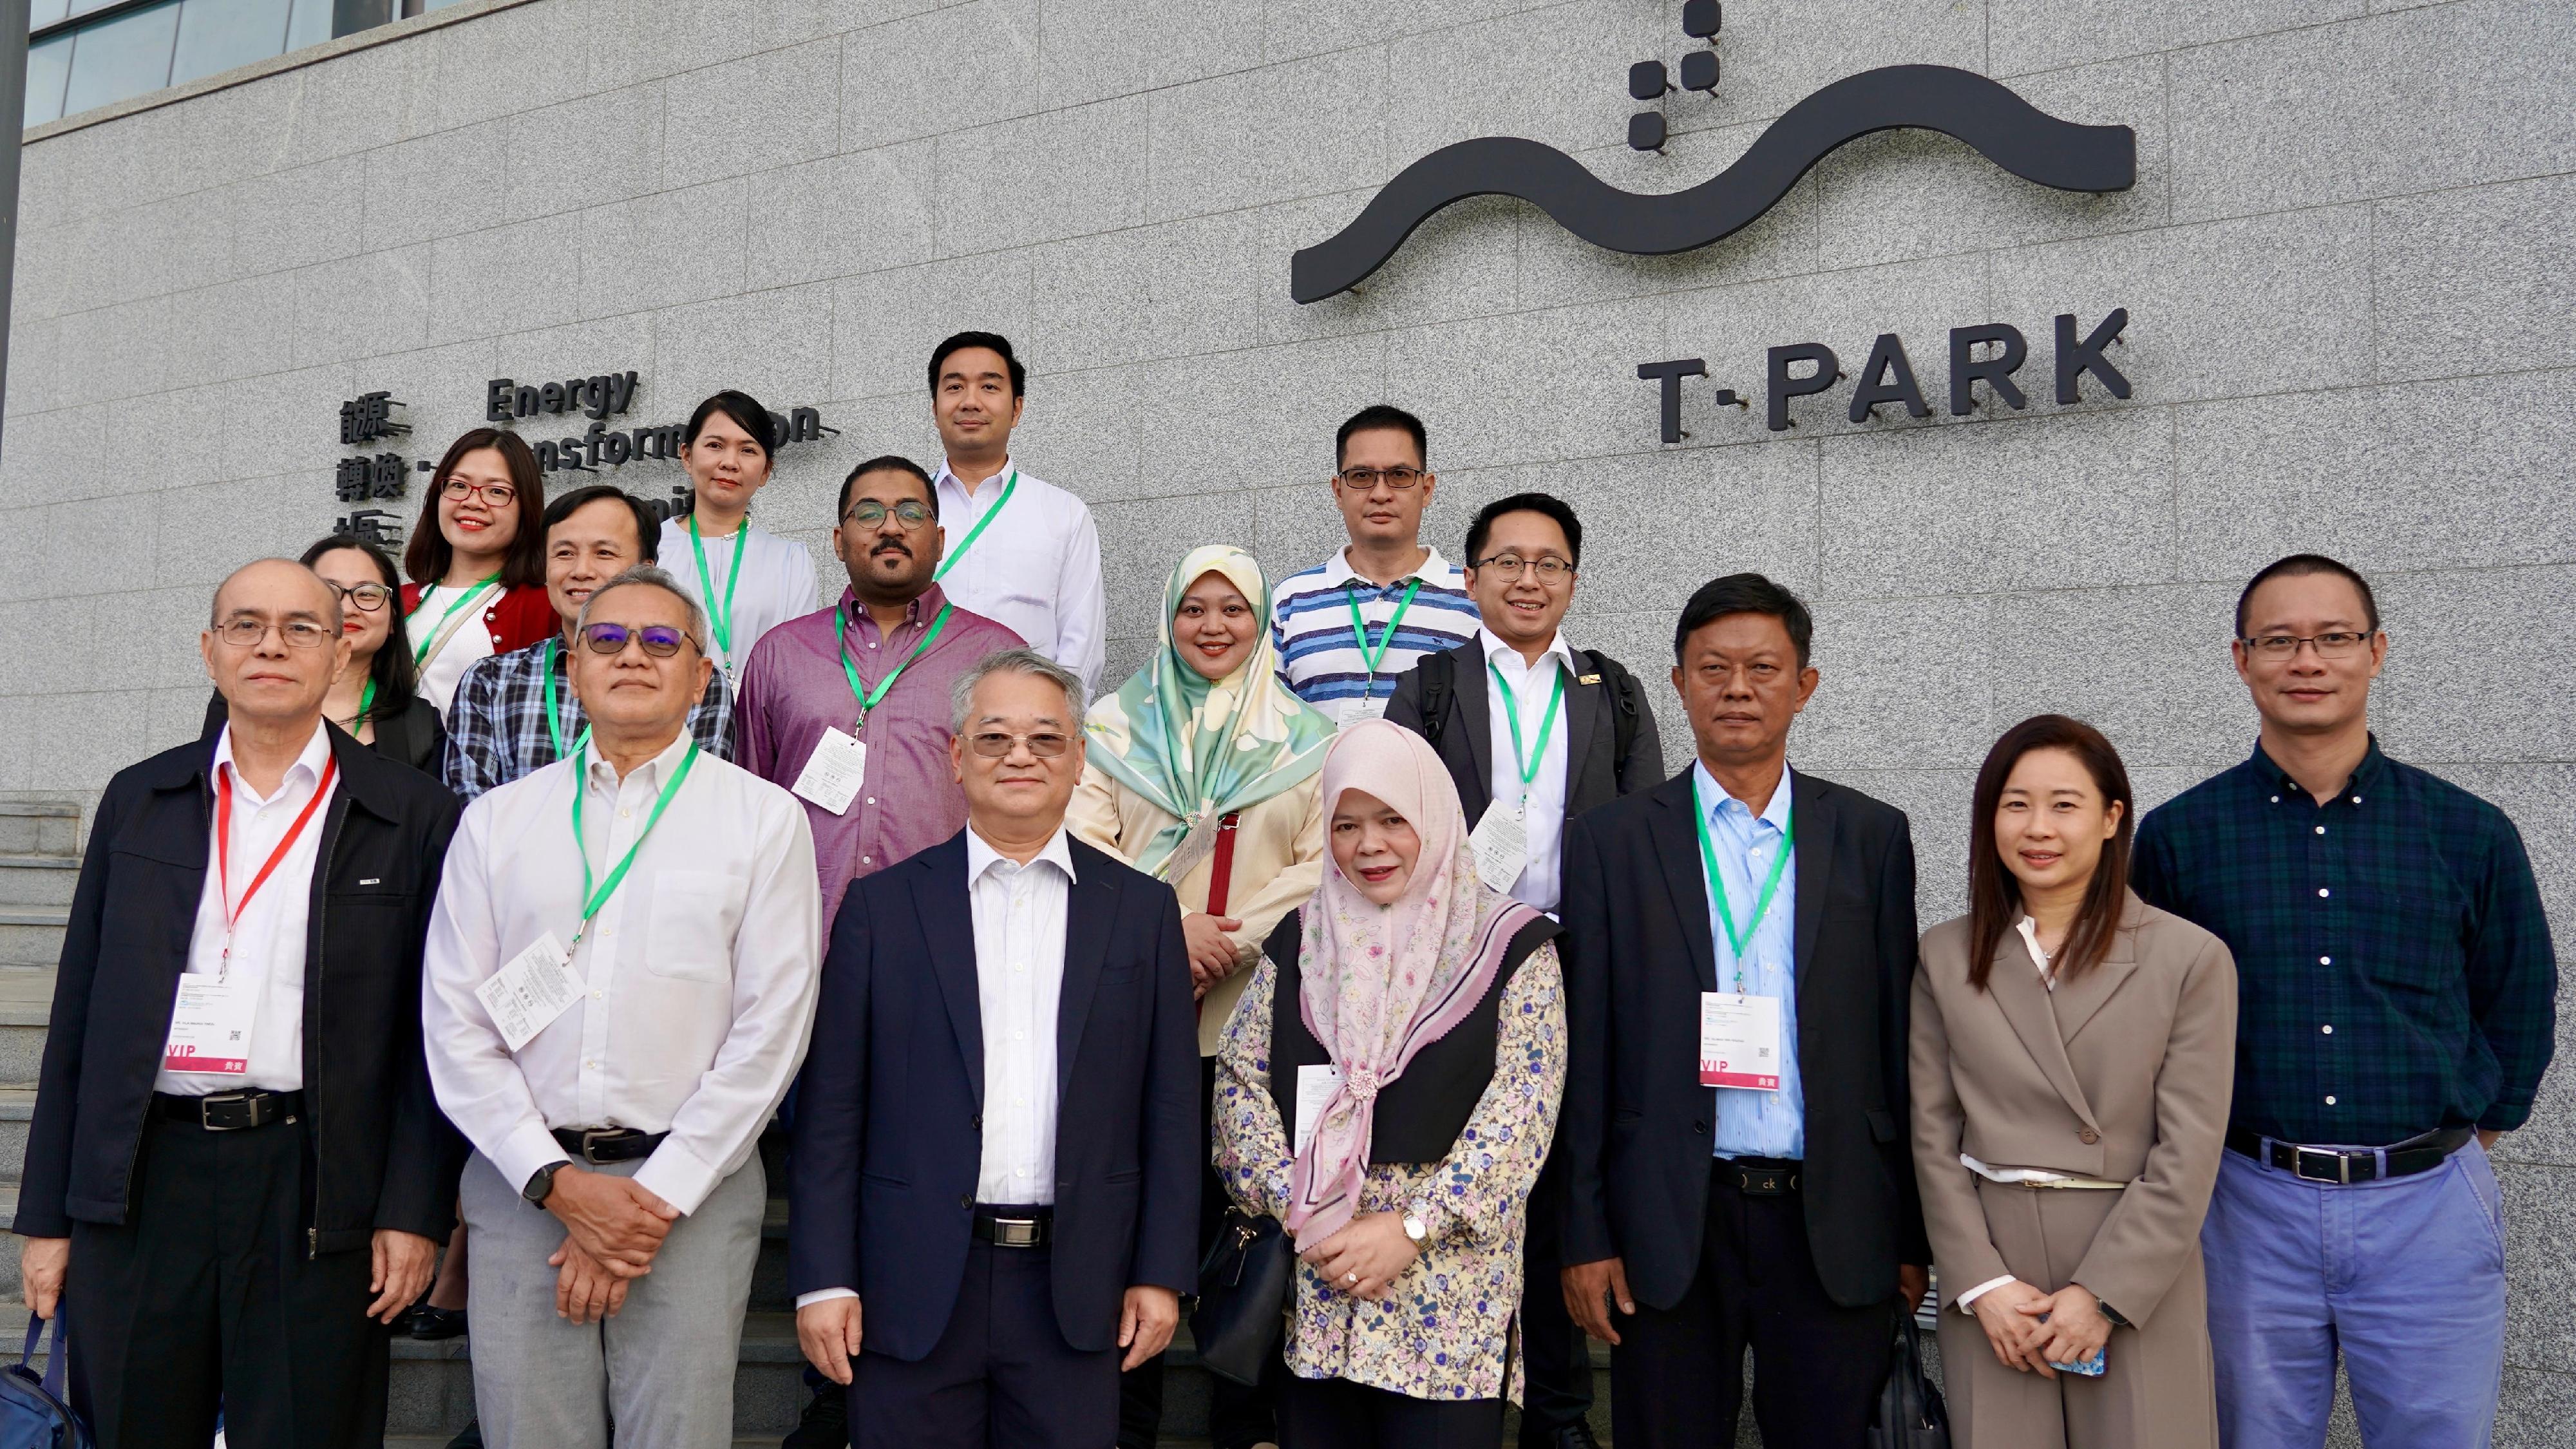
column 2073, row 1054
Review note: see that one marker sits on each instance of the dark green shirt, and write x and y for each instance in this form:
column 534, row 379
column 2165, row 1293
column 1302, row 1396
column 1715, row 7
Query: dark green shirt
column 2394, row 969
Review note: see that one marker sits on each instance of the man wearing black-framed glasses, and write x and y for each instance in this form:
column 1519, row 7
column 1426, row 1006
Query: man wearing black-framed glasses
column 621, row 975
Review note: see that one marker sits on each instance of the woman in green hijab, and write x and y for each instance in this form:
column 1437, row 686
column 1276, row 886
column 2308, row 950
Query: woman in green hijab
column 1202, row 770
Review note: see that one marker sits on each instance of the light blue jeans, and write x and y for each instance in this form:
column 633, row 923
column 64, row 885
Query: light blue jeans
column 2405, row 1276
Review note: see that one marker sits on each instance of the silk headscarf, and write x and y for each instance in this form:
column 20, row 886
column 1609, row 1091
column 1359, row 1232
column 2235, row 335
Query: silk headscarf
column 1199, row 748
column 1379, row 983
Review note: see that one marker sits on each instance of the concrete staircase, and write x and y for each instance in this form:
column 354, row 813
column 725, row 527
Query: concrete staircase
column 39, row 861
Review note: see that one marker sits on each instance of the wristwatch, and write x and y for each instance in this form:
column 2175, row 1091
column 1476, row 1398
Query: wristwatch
column 541, row 1184
column 2111, row 1313
column 1415, row 1229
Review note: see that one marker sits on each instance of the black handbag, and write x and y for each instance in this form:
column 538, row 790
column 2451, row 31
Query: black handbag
column 1243, row 1296
column 1910, row 1412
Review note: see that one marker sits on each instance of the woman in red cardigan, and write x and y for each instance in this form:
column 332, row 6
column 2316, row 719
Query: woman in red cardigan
column 477, row 561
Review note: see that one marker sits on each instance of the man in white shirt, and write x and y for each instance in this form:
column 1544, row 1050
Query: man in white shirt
column 994, row 1207
column 621, row 976
column 1348, row 628
column 1021, row 552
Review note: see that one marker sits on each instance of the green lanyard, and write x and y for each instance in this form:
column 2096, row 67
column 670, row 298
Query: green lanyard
column 366, row 702
column 721, row 618
column 1010, row 485
column 868, row 698
column 1359, row 630
column 1736, row 939
column 1527, row 763
column 420, row 652
column 591, row 899
column 554, row 716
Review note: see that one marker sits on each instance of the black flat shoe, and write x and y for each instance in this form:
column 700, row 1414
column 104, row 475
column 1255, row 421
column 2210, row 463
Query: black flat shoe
column 826, row 1421
column 433, row 1324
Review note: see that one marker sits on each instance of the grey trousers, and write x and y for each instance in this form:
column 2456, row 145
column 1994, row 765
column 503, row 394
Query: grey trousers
column 662, row 1368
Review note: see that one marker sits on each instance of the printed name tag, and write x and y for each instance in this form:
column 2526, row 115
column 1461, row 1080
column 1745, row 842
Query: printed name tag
column 834, row 772
column 526, row 996
column 1739, row 1041
column 1194, row 847
column 210, row 1025
column 1315, row 1087
column 1501, row 843
column 1356, row 710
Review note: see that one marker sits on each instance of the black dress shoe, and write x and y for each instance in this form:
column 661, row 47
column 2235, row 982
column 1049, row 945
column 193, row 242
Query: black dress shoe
column 826, row 1423
column 1577, row 1435
column 469, row 1437
column 433, row 1324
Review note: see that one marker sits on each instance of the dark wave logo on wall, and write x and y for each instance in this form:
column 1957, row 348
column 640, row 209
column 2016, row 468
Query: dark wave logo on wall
column 2004, row 128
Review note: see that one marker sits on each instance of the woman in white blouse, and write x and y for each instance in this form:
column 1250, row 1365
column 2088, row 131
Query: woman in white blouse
column 748, row 580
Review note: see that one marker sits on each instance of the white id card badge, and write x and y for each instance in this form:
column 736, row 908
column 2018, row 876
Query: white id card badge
column 834, row 772
column 1355, row 711
column 1739, row 1041
column 210, row 1024
column 526, row 996
column 1195, row 846
column 1315, row 1087
column 1501, row 843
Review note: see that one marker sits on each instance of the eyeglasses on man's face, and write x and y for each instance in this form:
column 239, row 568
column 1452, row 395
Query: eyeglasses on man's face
column 499, row 495
column 1367, row 479
column 659, row 640
column 2334, row 644
column 369, row 597
column 869, row 513
column 994, row 744
column 244, row 632
column 1551, row 569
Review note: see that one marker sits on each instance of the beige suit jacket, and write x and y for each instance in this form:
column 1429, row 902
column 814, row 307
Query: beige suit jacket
column 2123, row 1072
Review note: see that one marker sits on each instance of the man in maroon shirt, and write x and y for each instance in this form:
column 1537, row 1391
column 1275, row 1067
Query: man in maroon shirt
column 848, row 706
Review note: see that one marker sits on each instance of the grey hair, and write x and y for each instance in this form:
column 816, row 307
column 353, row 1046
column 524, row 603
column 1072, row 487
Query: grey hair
column 654, row 577
column 1023, row 660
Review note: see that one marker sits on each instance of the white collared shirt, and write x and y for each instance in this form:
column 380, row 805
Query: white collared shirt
column 1019, row 979
column 699, row 973
column 778, row 584
column 468, row 641
column 1035, row 570
column 269, row 938
column 2038, row 954
column 1544, row 815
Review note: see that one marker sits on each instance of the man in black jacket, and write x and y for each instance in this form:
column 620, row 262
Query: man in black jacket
column 235, row 1161
column 1739, row 963
column 1534, row 733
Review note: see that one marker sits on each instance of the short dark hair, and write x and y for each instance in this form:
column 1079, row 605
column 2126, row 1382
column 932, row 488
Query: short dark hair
column 959, row 342
column 427, row 556
column 2300, row 564
column 1382, row 415
column 885, row 463
column 1745, row 594
column 1543, row 503
column 648, row 529
column 396, row 677
column 747, row 414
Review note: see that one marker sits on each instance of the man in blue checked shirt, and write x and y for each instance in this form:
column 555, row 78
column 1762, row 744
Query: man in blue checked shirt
column 1350, row 627
column 2397, row 1008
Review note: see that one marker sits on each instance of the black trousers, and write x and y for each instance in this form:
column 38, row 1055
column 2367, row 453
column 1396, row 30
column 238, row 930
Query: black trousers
column 1238, row 1416
column 1339, row 1414
column 1001, row 1377
column 1677, row 1376
column 1556, row 1391
column 206, row 1297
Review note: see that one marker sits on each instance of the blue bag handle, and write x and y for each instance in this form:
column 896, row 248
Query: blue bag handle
column 61, row 1324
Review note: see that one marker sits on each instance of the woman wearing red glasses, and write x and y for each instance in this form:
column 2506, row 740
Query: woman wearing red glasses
column 479, row 574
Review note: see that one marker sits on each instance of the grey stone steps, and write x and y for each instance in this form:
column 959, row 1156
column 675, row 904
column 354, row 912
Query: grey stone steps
column 31, row 935
column 26, row 1003
column 43, row 881
column 40, row 827
column 17, row 1110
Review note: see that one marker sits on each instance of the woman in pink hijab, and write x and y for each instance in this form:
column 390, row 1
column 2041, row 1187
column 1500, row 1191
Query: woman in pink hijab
column 1386, row 1089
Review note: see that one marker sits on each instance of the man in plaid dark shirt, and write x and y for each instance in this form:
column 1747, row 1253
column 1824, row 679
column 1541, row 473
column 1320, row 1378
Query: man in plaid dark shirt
column 497, row 729
column 2398, row 1006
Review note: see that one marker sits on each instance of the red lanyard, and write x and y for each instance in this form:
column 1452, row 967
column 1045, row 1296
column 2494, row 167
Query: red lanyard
column 224, row 840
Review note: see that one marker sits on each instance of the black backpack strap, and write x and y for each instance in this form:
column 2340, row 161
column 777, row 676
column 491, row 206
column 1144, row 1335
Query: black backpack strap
column 1624, row 707
column 1438, row 672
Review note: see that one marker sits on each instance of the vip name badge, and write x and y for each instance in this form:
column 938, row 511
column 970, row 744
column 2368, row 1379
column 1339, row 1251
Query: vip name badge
column 1739, row 1041
column 210, row 1024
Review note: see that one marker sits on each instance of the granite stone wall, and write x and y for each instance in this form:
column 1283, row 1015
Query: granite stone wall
column 2347, row 262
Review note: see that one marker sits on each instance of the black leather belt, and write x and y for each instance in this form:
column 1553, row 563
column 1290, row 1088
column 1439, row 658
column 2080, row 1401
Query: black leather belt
column 1762, row 1176
column 1014, row 1227
column 229, row 1111
column 607, row 1144
column 2346, row 1165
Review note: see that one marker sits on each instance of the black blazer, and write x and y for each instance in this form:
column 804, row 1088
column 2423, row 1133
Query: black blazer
column 1634, row 1136
column 889, row 1109
column 383, row 1156
column 415, row 737
column 1463, row 735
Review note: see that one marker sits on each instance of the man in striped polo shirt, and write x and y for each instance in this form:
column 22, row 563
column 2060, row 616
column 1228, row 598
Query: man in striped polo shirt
column 1348, row 628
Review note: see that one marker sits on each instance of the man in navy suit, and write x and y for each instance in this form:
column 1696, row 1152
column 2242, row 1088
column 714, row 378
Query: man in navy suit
column 995, row 1184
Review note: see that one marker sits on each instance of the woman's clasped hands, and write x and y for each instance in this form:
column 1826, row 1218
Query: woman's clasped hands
column 1366, row 1257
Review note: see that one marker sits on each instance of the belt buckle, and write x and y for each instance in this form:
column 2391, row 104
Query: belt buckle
column 593, row 1135
column 2340, row 1176
column 1015, row 1232
column 249, row 1114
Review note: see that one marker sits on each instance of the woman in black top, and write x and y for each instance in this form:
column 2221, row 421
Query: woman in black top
column 376, row 697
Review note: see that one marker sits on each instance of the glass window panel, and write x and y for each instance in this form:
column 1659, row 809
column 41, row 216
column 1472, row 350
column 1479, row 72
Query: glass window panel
column 83, row 7
column 429, row 5
column 49, row 63
column 122, row 57
column 309, row 25
column 45, row 12
column 220, row 34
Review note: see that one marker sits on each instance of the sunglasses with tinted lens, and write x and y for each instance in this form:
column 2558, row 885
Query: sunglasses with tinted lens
column 659, row 640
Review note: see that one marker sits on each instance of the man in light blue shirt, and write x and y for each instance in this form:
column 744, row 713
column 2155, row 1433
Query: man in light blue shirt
column 1752, row 1122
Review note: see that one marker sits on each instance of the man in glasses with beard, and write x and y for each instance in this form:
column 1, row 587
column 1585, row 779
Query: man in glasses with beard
column 621, row 975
